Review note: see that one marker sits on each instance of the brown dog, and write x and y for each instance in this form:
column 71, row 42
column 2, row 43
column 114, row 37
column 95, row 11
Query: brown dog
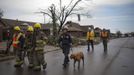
column 77, row 57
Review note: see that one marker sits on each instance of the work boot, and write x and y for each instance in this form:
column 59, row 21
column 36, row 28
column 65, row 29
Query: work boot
column 64, row 65
column 30, row 66
column 68, row 61
column 18, row 64
column 37, row 68
column 105, row 50
column 88, row 50
column 44, row 66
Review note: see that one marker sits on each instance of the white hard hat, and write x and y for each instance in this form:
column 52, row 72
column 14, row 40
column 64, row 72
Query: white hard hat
column 65, row 27
column 89, row 28
column 26, row 24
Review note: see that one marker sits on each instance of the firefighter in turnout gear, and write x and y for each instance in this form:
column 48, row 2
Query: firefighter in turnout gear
column 29, row 45
column 90, row 39
column 17, row 43
column 105, row 37
column 38, row 44
column 65, row 43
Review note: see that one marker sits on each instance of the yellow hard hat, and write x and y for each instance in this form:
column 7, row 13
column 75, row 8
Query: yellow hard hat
column 37, row 25
column 30, row 28
column 17, row 28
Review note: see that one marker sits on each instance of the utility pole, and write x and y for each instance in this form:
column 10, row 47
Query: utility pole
column 43, row 15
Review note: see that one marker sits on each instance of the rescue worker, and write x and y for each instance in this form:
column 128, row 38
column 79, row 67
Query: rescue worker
column 29, row 45
column 38, row 44
column 104, row 37
column 18, row 42
column 65, row 42
column 90, row 39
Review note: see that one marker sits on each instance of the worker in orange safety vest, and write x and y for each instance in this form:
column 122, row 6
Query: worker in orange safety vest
column 17, row 43
column 104, row 37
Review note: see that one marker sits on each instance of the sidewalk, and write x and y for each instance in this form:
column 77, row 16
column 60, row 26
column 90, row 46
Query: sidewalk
column 4, row 57
column 49, row 48
column 3, row 45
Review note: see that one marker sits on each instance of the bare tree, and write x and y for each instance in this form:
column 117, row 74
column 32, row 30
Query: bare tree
column 1, row 13
column 60, row 14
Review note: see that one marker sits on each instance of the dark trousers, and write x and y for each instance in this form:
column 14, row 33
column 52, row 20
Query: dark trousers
column 105, row 45
column 66, row 50
column 90, row 42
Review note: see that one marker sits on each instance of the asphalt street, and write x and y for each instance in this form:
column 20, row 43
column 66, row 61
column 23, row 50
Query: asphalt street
column 118, row 61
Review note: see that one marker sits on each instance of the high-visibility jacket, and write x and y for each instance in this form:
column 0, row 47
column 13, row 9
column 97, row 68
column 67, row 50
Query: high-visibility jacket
column 39, row 41
column 16, row 39
column 104, row 34
column 90, row 35
column 29, row 42
column 40, row 45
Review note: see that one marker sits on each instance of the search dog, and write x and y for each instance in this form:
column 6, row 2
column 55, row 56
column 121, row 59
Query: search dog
column 77, row 57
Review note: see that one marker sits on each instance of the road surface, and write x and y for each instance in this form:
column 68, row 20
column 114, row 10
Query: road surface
column 118, row 61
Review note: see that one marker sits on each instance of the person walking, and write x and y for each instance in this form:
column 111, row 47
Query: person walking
column 38, row 47
column 17, row 43
column 90, row 39
column 65, row 42
column 29, row 45
column 104, row 37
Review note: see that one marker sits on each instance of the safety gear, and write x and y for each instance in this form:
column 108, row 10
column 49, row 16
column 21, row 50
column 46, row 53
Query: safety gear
column 90, row 35
column 89, row 28
column 104, row 34
column 44, row 66
column 29, row 48
column 25, row 24
column 37, row 25
column 17, row 28
column 16, row 40
column 18, row 63
column 30, row 28
column 37, row 68
column 30, row 66
column 65, row 28
column 38, row 43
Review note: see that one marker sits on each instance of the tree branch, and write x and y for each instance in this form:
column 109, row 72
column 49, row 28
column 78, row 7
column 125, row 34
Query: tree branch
column 73, row 7
column 69, row 4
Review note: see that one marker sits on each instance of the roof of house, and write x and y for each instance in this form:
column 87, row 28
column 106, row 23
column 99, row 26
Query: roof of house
column 72, row 26
column 2, row 23
column 12, row 23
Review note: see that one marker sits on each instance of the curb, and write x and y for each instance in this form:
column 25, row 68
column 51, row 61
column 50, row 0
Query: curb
column 52, row 50
column 6, row 58
column 12, row 57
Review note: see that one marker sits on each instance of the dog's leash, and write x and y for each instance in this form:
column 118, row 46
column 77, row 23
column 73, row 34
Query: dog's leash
column 71, row 49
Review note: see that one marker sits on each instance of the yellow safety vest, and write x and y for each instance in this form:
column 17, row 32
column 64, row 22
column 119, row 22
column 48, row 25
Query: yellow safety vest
column 90, row 35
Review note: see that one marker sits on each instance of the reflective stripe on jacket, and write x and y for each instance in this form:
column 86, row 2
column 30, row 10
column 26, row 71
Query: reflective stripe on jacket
column 40, row 45
column 16, row 39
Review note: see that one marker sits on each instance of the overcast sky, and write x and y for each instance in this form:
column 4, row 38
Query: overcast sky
column 111, row 14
